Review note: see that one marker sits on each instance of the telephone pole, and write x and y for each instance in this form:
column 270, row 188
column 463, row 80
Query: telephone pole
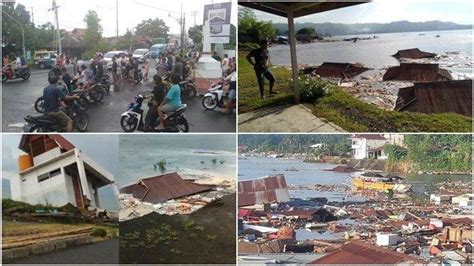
column 116, row 14
column 32, row 16
column 194, row 14
column 182, row 30
column 55, row 9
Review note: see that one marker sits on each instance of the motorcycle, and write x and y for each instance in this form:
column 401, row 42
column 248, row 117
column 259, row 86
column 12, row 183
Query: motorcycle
column 132, row 119
column 45, row 123
column 83, row 101
column 9, row 74
column 215, row 96
column 188, row 88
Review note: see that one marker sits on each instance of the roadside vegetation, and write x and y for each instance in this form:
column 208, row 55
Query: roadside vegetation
column 339, row 107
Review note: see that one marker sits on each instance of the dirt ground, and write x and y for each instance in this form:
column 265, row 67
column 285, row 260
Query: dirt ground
column 205, row 236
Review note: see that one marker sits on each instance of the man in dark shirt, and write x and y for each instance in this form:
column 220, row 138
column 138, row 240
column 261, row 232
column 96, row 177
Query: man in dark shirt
column 216, row 56
column 66, row 78
column 158, row 95
column 260, row 65
column 52, row 96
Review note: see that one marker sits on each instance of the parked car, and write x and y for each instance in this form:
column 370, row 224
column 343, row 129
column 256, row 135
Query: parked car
column 140, row 54
column 45, row 59
column 156, row 49
column 108, row 57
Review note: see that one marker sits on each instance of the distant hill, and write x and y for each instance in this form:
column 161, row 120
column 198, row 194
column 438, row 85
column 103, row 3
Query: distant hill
column 373, row 28
column 6, row 193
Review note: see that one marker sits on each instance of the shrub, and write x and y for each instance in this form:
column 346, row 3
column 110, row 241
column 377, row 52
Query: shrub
column 99, row 232
column 312, row 89
column 248, row 46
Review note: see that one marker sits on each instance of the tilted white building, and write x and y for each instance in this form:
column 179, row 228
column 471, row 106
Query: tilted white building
column 368, row 146
column 55, row 172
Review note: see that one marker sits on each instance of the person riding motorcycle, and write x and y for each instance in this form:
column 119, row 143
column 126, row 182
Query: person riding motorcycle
column 172, row 101
column 232, row 93
column 52, row 96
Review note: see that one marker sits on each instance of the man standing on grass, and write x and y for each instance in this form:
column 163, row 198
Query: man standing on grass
column 260, row 65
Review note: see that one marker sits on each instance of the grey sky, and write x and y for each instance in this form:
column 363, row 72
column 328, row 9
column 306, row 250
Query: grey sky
column 131, row 12
column 384, row 11
column 101, row 148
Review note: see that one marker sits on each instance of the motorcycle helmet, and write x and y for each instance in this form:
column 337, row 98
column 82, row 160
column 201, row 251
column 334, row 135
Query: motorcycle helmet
column 53, row 76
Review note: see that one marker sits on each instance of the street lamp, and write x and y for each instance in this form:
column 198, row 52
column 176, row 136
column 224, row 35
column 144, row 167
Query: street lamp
column 22, row 32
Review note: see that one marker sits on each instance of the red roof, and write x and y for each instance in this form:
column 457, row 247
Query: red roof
column 270, row 189
column 413, row 53
column 357, row 252
column 412, row 72
column 163, row 187
column 339, row 70
column 63, row 143
column 368, row 136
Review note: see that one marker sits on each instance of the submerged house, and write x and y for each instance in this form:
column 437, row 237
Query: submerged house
column 417, row 73
column 413, row 53
column 437, row 97
column 341, row 71
column 163, row 188
column 54, row 172
column 265, row 190
column 368, row 146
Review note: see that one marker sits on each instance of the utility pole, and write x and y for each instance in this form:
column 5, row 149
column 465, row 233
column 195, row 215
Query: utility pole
column 116, row 14
column 32, row 16
column 182, row 30
column 55, row 9
column 194, row 14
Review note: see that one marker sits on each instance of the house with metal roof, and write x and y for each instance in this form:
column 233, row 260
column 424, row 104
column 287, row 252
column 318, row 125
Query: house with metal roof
column 417, row 72
column 368, row 146
column 54, row 172
column 265, row 190
column 413, row 53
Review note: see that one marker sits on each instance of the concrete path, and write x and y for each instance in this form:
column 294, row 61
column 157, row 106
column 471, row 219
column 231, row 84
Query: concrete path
column 293, row 118
column 100, row 252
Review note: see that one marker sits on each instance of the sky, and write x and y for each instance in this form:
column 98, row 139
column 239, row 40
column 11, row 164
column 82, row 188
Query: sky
column 103, row 149
column 131, row 12
column 385, row 11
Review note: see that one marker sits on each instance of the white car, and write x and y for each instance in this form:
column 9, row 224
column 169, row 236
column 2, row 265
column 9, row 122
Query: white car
column 140, row 54
column 108, row 57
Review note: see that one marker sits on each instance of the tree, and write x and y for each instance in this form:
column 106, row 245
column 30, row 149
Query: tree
column 195, row 33
column 252, row 30
column 93, row 35
column 306, row 31
column 153, row 28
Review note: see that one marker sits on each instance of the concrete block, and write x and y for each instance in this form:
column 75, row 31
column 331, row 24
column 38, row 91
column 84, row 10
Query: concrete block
column 48, row 247
column 37, row 249
column 60, row 244
column 8, row 254
column 22, row 252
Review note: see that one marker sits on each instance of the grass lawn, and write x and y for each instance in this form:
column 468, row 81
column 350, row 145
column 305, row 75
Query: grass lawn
column 15, row 228
column 344, row 110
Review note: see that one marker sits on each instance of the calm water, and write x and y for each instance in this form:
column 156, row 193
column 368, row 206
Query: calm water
column 376, row 53
column 183, row 154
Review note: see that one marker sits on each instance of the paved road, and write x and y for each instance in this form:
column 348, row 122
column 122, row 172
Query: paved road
column 100, row 252
column 19, row 97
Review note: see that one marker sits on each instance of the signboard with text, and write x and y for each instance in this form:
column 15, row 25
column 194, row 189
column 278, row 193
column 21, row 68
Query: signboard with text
column 218, row 16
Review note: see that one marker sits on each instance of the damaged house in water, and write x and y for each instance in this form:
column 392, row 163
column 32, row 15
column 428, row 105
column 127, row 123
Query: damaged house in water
column 263, row 191
column 417, row 73
column 162, row 188
column 54, row 172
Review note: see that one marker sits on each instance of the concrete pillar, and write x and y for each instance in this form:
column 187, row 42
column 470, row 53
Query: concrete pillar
column 82, row 175
column 96, row 197
column 294, row 61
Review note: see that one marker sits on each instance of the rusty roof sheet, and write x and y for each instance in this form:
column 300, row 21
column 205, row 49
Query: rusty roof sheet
column 412, row 72
column 357, row 252
column 453, row 96
column 339, row 70
column 413, row 53
column 269, row 189
column 164, row 187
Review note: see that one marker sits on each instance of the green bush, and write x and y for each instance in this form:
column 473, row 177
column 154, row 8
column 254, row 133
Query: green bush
column 312, row 89
column 99, row 232
column 248, row 46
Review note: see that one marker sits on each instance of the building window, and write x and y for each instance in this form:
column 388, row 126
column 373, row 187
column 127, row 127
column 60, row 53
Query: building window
column 49, row 175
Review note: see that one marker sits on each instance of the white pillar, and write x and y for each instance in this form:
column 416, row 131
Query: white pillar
column 206, row 38
column 294, row 62
column 82, row 175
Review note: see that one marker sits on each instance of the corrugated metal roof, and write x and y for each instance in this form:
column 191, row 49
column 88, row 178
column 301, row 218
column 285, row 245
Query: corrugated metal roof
column 413, row 72
column 163, row 187
column 437, row 97
column 413, row 53
column 299, row 8
column 269, row 189
column 339, row 70
column 357, row 252
column 63, row 143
